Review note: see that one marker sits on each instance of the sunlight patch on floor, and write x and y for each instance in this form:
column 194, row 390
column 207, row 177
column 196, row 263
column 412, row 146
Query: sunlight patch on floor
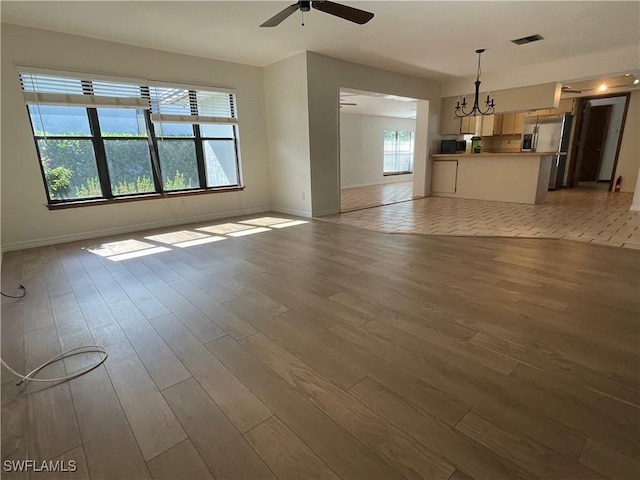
column 128, row 249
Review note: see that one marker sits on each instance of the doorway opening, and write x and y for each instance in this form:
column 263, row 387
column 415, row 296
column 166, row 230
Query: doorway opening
column 377, row 149
column 599, row 128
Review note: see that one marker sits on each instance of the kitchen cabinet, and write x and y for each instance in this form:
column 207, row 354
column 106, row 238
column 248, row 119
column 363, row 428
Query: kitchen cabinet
column 512, row 123
column 444, row 176
column 487, row 125
column 566, row 105
column 497, row 124
column 518, row 124
column 452, row 125
column 468, row 125
column 508, row 123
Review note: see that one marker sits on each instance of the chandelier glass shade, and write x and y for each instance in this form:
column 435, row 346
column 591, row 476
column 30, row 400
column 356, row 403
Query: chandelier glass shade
column 489, row 109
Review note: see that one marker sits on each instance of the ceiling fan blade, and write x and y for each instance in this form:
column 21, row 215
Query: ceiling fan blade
column 279, row 17
column 343, row 11
column 570, row 90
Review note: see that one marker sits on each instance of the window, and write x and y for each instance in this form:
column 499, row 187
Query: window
column 104, row 140
column 398, row 152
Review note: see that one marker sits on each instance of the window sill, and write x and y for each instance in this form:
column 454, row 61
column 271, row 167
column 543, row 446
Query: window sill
column 138, row 198
column 396, row 173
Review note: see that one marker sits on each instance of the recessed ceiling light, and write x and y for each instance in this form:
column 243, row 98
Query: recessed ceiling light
column 529, row 39
column 602, row 88
column 636, row 81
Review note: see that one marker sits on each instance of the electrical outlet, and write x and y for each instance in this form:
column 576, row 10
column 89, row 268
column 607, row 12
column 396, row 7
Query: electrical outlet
column 303, row 196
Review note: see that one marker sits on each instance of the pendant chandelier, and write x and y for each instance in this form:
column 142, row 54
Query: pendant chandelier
column 461, row 108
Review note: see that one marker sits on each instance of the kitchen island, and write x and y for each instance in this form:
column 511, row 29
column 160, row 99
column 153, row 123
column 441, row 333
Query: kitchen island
column 503, row 177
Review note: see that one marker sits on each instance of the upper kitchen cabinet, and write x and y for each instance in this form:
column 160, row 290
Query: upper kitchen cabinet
column 487, row 127
column 512, row 123
column 468, row 125
column 566, row 105
column 518, row 124
column 497, row 124
column 450, row 124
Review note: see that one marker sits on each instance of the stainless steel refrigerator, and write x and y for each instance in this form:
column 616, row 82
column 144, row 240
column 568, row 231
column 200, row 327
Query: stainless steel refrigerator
column 549, row 133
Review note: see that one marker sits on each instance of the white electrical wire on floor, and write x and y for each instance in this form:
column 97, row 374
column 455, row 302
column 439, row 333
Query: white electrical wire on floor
column 86, row 349
column 29, row 377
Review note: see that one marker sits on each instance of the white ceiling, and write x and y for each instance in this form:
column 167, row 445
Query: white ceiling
column 424, row 38
column 377, row 104
column 601, row 85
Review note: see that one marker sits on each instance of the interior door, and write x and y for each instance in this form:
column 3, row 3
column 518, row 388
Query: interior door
column 593, row 145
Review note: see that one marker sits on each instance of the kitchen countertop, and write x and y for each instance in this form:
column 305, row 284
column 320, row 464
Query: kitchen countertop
column 488, row 154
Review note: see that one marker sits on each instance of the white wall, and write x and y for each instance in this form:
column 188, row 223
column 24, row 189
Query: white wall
column 362, row 149
column 285, row 84
column 426, row 119
column 26, row 221
column 613, row 132
column 635, row 204
column 629, row 157
column 325, row 77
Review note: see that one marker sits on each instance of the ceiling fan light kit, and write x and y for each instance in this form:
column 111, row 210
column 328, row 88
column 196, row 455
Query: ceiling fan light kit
column 345, row 12
column 461, row 108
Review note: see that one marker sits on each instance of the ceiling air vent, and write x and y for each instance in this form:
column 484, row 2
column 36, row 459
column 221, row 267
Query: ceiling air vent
column 529, row 39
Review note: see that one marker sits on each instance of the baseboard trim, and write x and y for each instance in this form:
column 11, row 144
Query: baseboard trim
column 396, row 179
column 331, row 211
column 292, row 211
column 43, row 242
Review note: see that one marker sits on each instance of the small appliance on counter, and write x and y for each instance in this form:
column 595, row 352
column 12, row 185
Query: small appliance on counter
column 452, row 146
column 448, row 146
column 476, row 144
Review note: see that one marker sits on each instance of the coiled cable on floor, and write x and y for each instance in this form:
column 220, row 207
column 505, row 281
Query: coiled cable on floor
column 29, row 377
column 86, row 349
column 24, row 292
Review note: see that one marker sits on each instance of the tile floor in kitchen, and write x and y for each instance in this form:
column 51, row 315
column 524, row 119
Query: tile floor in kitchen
column 588, row 213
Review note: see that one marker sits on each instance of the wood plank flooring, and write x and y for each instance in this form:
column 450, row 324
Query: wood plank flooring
column 276, row 347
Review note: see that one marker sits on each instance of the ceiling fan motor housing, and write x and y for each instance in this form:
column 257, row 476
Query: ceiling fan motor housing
column 345, row 12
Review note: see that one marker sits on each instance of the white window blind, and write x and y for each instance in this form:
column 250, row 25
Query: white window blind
column 46, row 89
column 181, row 105
column 169, row 104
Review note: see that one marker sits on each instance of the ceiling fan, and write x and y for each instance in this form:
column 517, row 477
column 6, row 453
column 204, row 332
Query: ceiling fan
column 343, row 11
column 568, row 89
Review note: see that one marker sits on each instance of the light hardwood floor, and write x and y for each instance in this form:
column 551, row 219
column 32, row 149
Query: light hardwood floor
column 273, row 347
column 358, row 198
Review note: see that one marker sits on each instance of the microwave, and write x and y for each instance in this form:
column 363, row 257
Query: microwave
column 452, row 146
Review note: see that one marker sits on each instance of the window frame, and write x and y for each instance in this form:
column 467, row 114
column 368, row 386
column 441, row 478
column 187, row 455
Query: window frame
column 36, row 138
column 98, row 141
column 395, row 152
